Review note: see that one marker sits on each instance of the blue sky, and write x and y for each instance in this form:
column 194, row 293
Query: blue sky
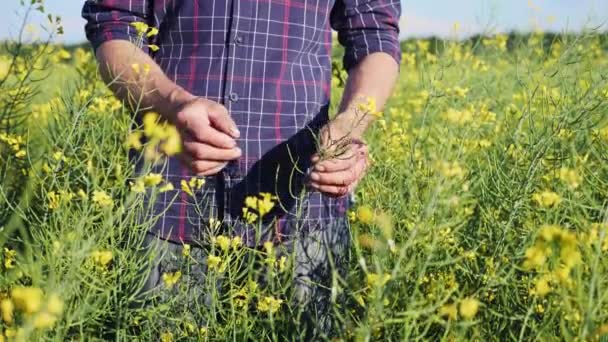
column 420, row 17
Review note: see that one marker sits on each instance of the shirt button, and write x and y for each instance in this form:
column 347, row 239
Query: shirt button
column 238, row 39
column 234, row 97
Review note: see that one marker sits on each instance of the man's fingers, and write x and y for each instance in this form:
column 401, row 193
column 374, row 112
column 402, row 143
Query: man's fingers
column 220, row 119
column 343, row 162
column 212, row 136
column 332, row 190
column 201, row 167
column 341, row 178
column 206, row 167
column 200, row 151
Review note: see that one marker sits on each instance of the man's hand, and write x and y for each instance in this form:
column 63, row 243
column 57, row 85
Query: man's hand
column 208, row 136
column 343, row 163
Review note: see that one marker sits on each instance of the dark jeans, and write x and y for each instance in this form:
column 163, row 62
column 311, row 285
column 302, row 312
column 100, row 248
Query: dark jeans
column 320, row 256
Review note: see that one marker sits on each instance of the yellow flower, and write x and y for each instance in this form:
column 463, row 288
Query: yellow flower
column 266, row 203
column 203, row 330
column 213, row 262
column 365, row 214
column 377, row 280
column 459, row 117
column 166, row 337
column 269, row 304
column 281, row 263
column 82, row 194
column 570, row 177
column 352, row 216
column 186, row 188
column 102, row 258
column 44, row 320
column 138, row 187
column 134, row 140
column 186, row 250
column 102, row 199
column 6, row 310
column 536, row 256
column 171, row 279
column 27, row 299
column 236, row 242
column 54, row 304
column 152, row 179
column 166, row 187
column 172, row 144
column 53, row 200
column 153, row 47
column 153, row 32
column 249, row 216
column 449, row 310
column 262, row 204
column 469, row 307
column 269, row 247
column 369, row 107
column 451, row 170
column 546, row 199
column 9, row 258
column 542, row 287
column 140, row 27
column 223, row 242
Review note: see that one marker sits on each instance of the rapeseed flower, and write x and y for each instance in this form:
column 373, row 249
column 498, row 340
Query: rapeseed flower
column 7, row 308
column 10, row 256
column 27, row 299
column 571, row 177
column 166, row 187
column 102, row 257
column 547, row 199
column 269, row 304
column 365, row 214
column 166, row 337
column 102, row 199
column 152, row 179
column 223, row 242
column 186, row 250
column 449, row 310
column 375, row 280
column 469, row 307
column 171, row 278
column 213, row 262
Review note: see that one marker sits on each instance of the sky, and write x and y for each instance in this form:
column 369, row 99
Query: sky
column 420, row 18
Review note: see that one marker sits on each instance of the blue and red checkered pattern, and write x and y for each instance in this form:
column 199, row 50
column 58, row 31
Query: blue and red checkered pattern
column 269, row 63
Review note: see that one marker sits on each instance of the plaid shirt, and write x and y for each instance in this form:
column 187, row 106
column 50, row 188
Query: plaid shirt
column 269, row 63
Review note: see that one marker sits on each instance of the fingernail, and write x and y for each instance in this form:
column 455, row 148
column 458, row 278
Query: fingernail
column 320, row 168
column 314, row 176
column 236, row 133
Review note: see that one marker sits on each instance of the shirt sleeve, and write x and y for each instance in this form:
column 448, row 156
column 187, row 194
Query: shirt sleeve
column 113, row 19
column 367, row 26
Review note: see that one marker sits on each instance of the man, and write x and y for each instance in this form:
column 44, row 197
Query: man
column 247, row 84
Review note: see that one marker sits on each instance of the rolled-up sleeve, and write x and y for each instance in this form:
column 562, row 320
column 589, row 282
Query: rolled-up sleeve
column 113, row 19
column 367, row 26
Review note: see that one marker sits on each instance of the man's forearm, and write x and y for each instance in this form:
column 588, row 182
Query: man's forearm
column 136, row 79
column 374, row 77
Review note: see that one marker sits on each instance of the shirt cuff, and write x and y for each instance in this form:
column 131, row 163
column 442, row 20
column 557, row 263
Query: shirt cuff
column 387, row 42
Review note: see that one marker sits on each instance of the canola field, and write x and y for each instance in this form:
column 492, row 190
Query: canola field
column 483, row 216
